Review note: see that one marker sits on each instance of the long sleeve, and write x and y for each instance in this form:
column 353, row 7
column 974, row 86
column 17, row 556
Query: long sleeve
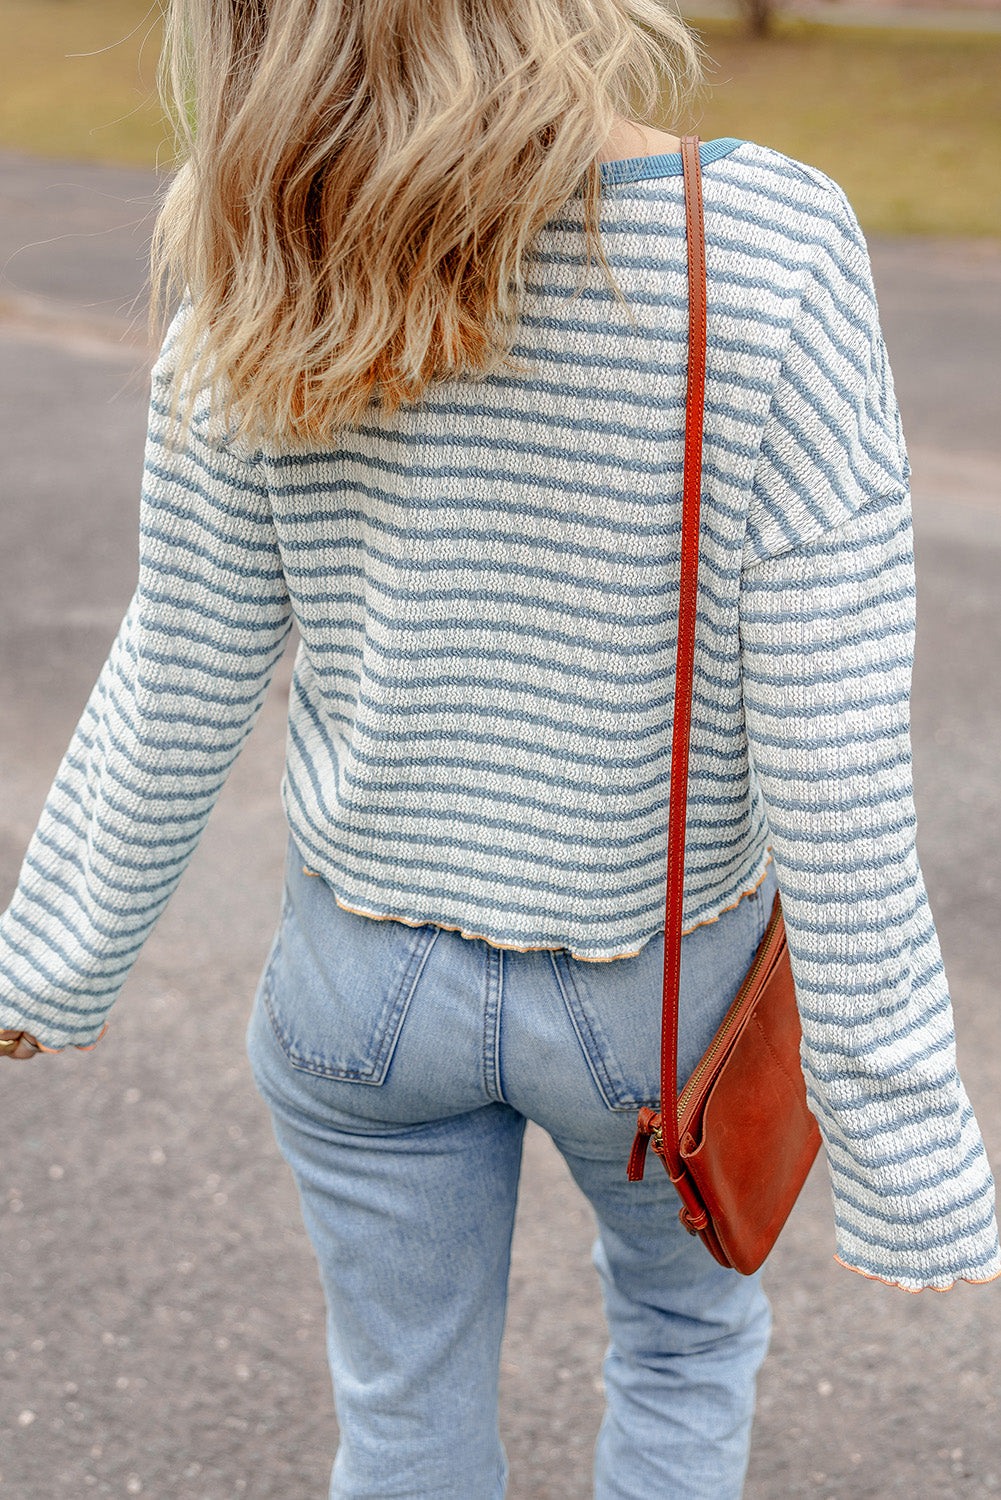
column 827, row 621
column 180, row 691
column 827, row 645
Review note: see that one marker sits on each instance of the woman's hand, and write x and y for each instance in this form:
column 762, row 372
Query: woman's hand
column 18, row 1044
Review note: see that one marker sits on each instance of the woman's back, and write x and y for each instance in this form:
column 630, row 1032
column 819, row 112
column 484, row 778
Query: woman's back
column 486, row 586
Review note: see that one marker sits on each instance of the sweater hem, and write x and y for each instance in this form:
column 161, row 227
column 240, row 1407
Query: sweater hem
column 44, row 1047
column 534, row 947
column 917, row 1290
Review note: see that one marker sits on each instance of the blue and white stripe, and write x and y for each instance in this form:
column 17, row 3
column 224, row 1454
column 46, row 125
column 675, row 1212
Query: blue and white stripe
column 479, row 723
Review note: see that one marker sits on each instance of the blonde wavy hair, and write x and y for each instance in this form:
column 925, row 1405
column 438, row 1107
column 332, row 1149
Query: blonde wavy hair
column 361, row 182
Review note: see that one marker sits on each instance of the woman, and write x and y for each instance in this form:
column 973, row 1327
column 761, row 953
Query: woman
column 381, row 204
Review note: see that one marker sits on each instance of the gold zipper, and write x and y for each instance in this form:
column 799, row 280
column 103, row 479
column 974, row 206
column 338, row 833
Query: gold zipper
column 721, row 1036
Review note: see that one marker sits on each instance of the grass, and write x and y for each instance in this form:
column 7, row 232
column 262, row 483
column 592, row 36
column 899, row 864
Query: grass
column 78, row 80
column 909, row 122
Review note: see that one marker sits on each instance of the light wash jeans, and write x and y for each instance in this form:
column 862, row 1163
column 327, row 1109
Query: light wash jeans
column 400, row 1065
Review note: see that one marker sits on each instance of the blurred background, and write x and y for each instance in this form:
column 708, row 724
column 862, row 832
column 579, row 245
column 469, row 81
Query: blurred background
column 901, row 105
column 161, row 1321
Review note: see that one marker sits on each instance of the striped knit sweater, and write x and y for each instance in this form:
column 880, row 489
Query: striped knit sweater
column 479, row 724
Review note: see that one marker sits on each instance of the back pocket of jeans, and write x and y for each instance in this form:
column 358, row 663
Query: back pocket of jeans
column 617, row 1008
column 337, row 985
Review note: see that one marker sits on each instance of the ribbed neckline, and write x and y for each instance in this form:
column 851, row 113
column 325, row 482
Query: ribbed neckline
column 666, row 163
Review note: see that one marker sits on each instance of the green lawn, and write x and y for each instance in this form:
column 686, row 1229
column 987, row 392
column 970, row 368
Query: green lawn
column 909, row 122
column 100, row 105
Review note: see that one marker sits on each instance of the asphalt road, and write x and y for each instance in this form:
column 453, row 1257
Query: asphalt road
column 161, row 1322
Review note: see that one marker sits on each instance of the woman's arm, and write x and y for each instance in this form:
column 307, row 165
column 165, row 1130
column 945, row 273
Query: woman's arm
column 827, row 634
column 827, row 615
column 176, row 699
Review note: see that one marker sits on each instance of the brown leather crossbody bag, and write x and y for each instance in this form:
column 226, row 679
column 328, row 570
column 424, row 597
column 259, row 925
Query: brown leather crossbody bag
column 739, row 1139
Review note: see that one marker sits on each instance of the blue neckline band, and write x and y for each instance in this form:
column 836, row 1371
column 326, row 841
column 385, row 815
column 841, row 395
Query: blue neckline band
column 666, row 164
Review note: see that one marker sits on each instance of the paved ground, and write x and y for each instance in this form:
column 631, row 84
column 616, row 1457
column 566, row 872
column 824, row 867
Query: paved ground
column 161, row 1324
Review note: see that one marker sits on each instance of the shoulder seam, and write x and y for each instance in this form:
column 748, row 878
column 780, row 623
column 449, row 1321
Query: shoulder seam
column 813, row 175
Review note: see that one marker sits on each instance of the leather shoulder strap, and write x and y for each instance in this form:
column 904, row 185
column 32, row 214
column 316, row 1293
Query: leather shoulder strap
column 687, row 605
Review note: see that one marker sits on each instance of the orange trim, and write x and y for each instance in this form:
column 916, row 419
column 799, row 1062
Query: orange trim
column 917, row 1290
column 87, row 1046
column 513, row 947
column 709, row 920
